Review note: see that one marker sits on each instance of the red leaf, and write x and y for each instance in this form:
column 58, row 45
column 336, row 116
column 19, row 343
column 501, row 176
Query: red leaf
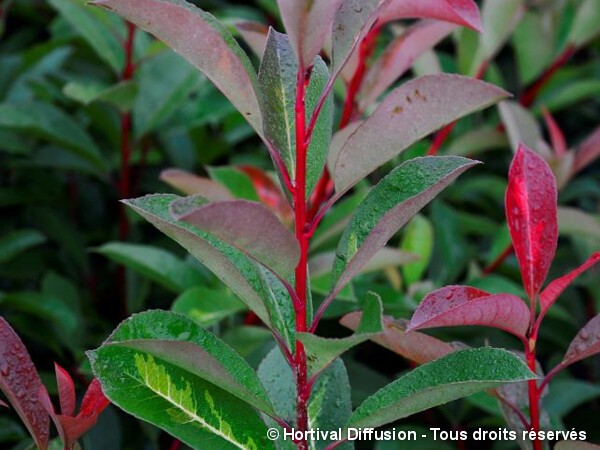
column 461, row 12
column 94, row 401
column 559, row 144
column 551, row 293
column 269, row 194
column 588, row 151
column 399, row 56
column 531, row 213
column 21, row 383
column 75, row 427
column 585, row 344
column 415, row 346
column 191, row 184
column 3, row 404
column 66, row 391
column 464, row 305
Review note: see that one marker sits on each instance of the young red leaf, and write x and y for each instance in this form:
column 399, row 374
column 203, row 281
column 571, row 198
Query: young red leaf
column 94, row 401
column 461, row 12
column 191, row 184
column 464, row 305
column 66, row 391
column 308, row 23
column 531, row 213
column 250, row 227
column 356, row 17
column 551, row 293
column 418, row 347
column 585, row 344
column 559, row 144
column 269, row 193
column 20, row 382
column 399, row 56
column 588, row 151
column 203, row 41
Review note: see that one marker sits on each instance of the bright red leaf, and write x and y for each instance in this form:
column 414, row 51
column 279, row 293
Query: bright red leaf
column 66, row 391
column 71, row 428
column 559, row 143
column 268, row 193
column 531, row 213
column 21, row 383
column 464, row 305
column 551, row 293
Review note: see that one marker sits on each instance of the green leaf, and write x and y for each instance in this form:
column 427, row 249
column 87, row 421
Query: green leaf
column 320, row 352
column 533, row 41
column 16, row 242
column 418, row 239
column 48, row 122
column 329, row 406
column 500, row 18
column 454, row 376
column 201, row 39
column 586, row 25
column 277, row 81
column 238, row 183
column 177, row 340
column 207, row 306
column 166, row 81
column 120, row 95
column 42, row 306
column 187, row 407
column 96, row 28
column 390, row 205
column 155, row 263
column 254, row 285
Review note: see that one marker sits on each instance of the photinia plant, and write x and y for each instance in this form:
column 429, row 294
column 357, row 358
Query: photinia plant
column 164, row 367
column 531, row 212
column 20, row 382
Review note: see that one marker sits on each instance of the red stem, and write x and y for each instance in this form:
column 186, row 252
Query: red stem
column 126, row 150
column 176, row 445
column 300, row 213
column 534, row 394
column 499, row 260
column 528, row 98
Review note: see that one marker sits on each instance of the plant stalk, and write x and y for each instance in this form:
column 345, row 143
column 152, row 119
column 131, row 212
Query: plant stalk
column 126, row 150
column 301, row 280
column 533, row 388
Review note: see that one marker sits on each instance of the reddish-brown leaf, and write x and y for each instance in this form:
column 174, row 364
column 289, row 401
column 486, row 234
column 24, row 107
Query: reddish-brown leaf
column 462, row 12
column 531, row 213
column 464, row 305
column 551, row 293
column 415, row 346
column 21, row 383
column 559, row 143
column 585, row 344
column 308, row 23
column 66, row 391
column 192, row 184
column 588, row 151
column 250, row 227
column 399, row 56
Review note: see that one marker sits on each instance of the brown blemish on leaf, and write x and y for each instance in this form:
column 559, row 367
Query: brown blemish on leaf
column 398, row 110
column 408, row 99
